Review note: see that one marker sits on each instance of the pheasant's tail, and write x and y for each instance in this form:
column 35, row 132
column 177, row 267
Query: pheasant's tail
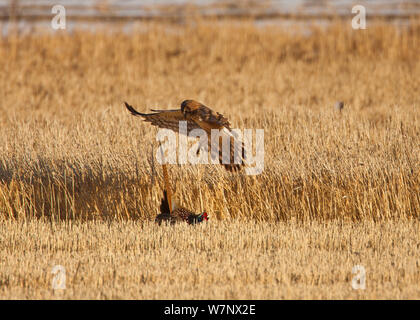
column 168, row 189
column 164, row 204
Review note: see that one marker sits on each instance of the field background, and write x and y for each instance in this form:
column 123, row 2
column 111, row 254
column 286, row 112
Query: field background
column 78, row 186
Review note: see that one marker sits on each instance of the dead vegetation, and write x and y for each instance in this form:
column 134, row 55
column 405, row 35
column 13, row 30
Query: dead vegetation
column 70, row 152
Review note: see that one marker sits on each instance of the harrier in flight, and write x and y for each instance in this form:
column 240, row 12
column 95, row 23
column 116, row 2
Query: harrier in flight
column 198, row 116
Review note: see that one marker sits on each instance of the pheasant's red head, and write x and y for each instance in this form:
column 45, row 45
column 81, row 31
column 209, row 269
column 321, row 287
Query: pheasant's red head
column 202, row 217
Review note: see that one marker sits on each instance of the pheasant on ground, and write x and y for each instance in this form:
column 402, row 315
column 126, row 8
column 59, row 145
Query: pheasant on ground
column 178, row 214
column 172, row 213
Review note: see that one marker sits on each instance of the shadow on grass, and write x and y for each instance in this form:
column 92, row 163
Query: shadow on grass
column 61, row 190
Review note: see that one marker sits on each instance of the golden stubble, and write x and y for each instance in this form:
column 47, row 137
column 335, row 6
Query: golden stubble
column 229, row 259
column 78, row 188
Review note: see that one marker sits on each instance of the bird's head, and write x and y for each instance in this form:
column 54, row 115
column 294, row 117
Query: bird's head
column 189, row 106
column 186, row 107
column 203, row 217
column 197, row 218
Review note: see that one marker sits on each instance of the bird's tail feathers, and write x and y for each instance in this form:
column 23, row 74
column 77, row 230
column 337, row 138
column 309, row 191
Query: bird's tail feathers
column 164, row 204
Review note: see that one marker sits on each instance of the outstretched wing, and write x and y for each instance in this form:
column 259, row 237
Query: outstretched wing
column 200, row 117
column 235, row 150
column 208, row 120
column 168, row 119
column 205, row 117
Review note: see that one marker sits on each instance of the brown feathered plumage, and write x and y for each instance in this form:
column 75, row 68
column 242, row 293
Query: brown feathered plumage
column 179, row 214
column 197, row 116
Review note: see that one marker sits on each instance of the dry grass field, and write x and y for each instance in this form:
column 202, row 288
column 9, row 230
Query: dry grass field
column 220, row 259
column 78, row 187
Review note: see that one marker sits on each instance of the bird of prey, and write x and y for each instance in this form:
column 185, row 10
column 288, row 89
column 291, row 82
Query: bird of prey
column 197, row 116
